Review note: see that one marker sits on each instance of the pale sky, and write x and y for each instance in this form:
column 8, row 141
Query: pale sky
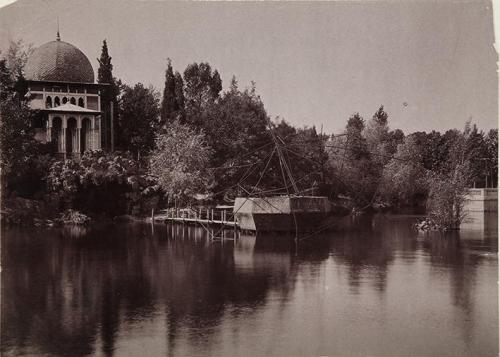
column 432, row 64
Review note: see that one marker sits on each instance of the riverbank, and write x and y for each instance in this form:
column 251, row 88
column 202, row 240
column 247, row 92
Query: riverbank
column 25, row 212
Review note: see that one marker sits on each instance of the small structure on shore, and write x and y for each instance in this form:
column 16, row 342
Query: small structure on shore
column 481, row 200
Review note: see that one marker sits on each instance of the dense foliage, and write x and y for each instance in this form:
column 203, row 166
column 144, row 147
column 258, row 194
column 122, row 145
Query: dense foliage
column 23, row 160
column 139, row 113
column 404, row 177
column 180, row 162
column 197, row 140
column 117, row 181
column 202, row 86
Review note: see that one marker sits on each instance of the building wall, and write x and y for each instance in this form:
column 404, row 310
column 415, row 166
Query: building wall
column 85, row 96
column 482, row 200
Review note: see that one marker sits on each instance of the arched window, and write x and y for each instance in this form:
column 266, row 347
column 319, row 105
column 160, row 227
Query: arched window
column 56, row 102
column 81, row 103
column 65, row 100
column 48, row 102
column 72, row 100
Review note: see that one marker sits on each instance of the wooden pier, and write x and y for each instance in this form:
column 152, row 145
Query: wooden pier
column 221, row 217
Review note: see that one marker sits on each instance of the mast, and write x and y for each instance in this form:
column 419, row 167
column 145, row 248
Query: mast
column 283, row 163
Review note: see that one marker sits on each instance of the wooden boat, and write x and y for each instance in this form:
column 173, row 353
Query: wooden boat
column 293, row 212
column 281, row 213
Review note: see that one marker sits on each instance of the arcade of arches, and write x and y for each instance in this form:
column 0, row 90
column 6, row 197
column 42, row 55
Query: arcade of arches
column 50, row 103
column 74, row 134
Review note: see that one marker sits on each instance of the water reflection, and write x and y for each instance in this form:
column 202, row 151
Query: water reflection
column 116, row 289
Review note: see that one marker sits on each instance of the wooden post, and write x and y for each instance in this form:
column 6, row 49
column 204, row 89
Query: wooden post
column 152, row 216
column 112, row 126
column 234, row 226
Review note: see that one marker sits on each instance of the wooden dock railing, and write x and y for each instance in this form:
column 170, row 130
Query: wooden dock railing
column 204, row 216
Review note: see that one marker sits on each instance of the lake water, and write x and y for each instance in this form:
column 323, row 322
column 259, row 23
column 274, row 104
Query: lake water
column 373, row 287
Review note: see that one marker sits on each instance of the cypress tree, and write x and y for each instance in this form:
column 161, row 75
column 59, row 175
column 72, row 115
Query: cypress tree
column 380, row 117
column 179, row 97
column 168, row 103
column 109, row 94
column 105, row 71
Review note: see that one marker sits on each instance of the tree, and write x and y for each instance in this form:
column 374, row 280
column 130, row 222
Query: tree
column 15, row 60
column 351, row 165
column 172, row 105
column 448, row 186
column 433, row 149
column 22, row 159
column 109, row 95
column 309, row 158
column 477, row 152
column 395, row 138
column 304, row 152
column 139, row 112
column 180, row 162
column 179, row 97
column 6, row 82
column 235, row 129
column 168, row 103
column 202, row 88
column 356, row 145
column 16, row 57
column 404, row 175
column 491, row 143
column 447, row 192
column 376, row 133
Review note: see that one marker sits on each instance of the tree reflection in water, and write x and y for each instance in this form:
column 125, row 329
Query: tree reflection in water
column 78, row 292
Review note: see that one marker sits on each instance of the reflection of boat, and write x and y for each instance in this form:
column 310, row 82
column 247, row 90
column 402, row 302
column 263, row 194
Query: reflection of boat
column 281, row 213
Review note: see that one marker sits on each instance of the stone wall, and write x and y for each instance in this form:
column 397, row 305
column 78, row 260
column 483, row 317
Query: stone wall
column 482, row 200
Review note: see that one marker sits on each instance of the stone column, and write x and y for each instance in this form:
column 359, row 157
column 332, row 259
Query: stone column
column 97, row 126
column 78, row 135
column 63, row 134
column 92, row 127
column 49, row 129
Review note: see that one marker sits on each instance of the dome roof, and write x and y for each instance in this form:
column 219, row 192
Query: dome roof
column 59, row 61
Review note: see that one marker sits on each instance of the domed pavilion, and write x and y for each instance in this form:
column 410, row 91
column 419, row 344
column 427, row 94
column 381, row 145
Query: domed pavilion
column 61, row 86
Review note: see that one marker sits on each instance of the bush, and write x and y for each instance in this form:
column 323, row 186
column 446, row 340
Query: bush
column 74, row 217
column 103, row 183
column 447, row 197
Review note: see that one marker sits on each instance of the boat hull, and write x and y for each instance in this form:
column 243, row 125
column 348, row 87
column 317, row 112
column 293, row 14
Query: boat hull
column 281, row 213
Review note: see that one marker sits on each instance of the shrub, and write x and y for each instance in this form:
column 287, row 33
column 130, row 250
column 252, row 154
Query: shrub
column 108, row 183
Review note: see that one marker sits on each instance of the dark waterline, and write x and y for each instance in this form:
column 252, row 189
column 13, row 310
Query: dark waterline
column 372, row 288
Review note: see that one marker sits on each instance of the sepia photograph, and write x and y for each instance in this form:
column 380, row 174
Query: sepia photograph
column 249, row 178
